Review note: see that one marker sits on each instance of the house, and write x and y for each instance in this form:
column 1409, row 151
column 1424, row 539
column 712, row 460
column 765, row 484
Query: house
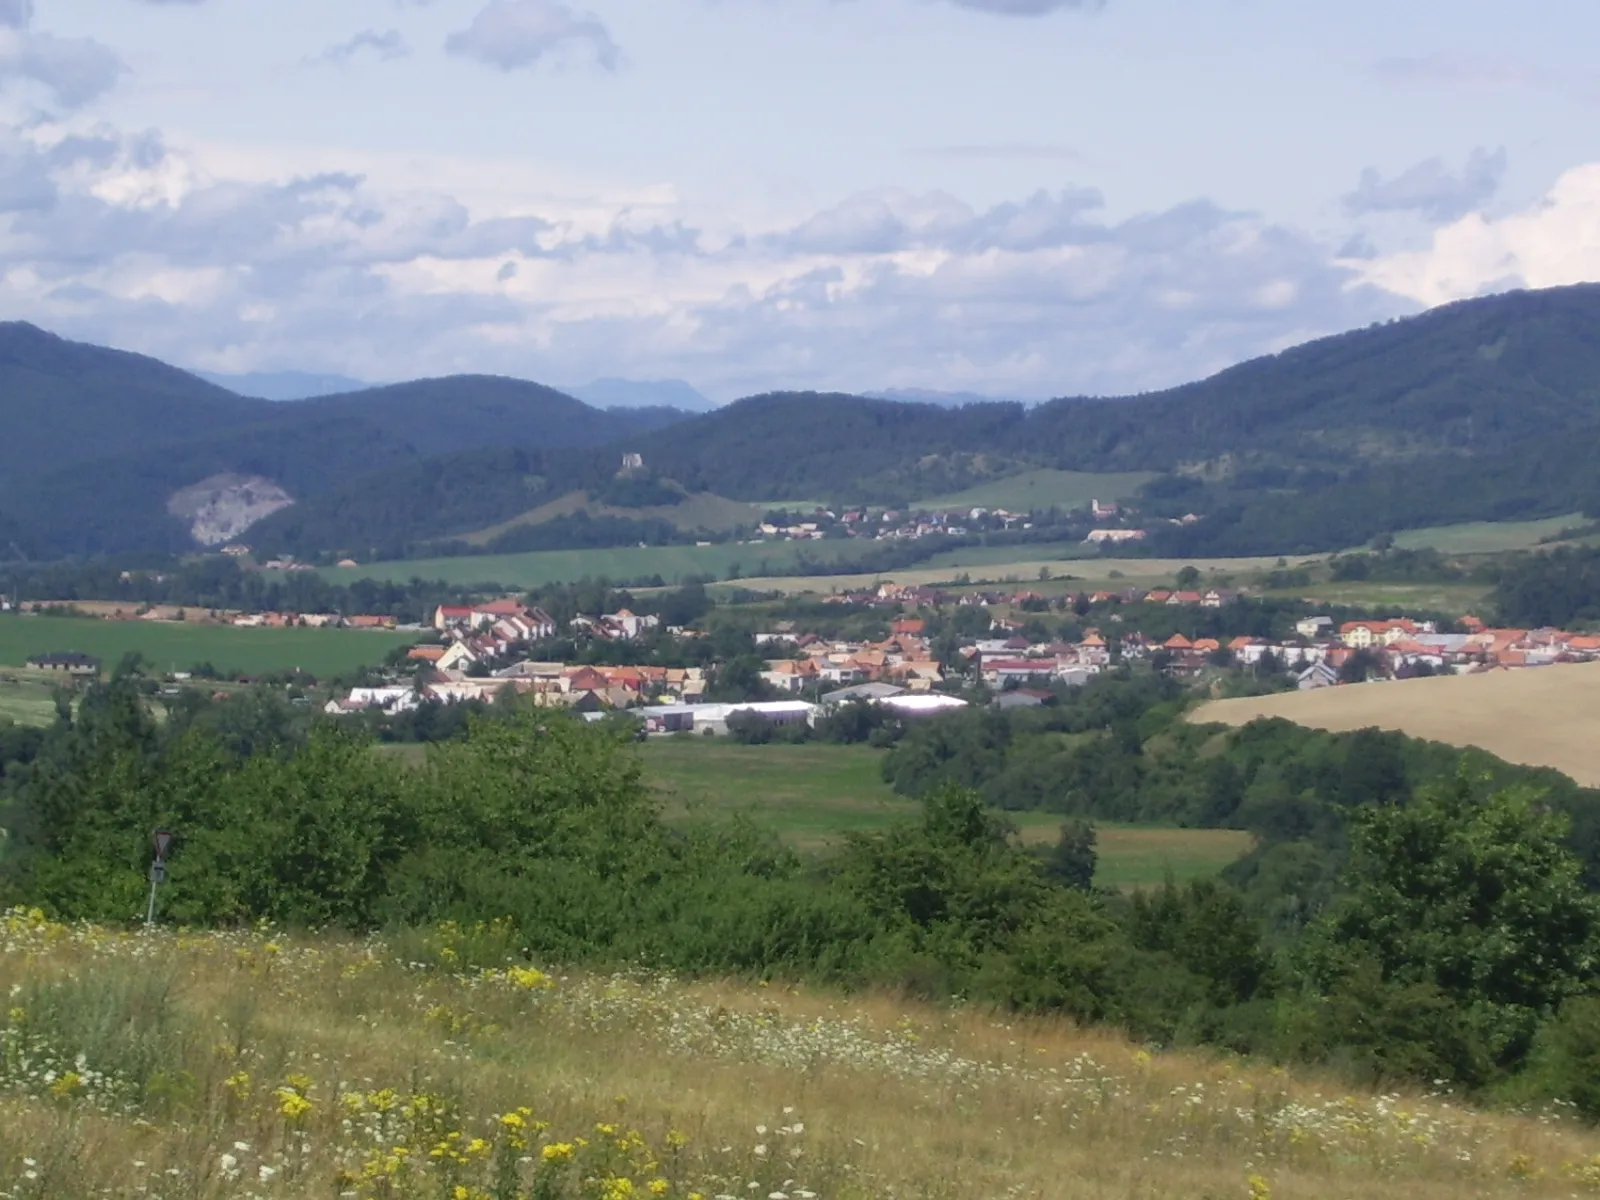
column 427, row 654
column 65, row 662
column 1189, row 598
column 1318, row 675
column 1217, row 597
column 862, row 692
column 1112, row 537
column 1365, row 635
column 459, row 656
column 1178, row 644
column 1314, row 627
column 364, row 622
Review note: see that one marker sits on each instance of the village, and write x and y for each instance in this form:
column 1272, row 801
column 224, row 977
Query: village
column 480, row 651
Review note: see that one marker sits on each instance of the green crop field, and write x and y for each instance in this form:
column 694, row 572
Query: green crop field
column 27, row 698
column 1455, row 599
column 1487, row 537
column 810, row 794
column 1043, row 488
column 540, row 567
column 702, row 510
column 180, row 645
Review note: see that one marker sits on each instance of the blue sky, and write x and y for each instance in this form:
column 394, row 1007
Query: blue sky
column 1019, row 197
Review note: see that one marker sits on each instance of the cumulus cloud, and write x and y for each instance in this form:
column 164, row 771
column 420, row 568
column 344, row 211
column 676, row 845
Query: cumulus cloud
column 124, row 239
column 1554, row 242
column 386, row 45
column 73, row 70
column 1430, row 189
column 521, row 33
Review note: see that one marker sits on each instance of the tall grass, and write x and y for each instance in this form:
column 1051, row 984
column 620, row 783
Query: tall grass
column 441, row 1065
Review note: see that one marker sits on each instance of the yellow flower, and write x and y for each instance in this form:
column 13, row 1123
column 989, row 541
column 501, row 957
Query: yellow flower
column 529, row 978
column 620, row 1188
column 238, row 1083
column 64, row 1087
column 292, row 1104
column 659, row 1187
column 558, row 1152
column 17, row 1016
column 1260, row 1189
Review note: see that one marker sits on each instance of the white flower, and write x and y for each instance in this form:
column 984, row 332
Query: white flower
column 761, row 1150
column 264, row 1172
column 230, row 1165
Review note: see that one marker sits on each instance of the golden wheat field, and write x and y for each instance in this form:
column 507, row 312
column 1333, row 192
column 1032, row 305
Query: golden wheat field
column 1544, row 717
column 172, row 1065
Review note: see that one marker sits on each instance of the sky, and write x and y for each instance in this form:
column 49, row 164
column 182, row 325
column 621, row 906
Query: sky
column 1010, row 197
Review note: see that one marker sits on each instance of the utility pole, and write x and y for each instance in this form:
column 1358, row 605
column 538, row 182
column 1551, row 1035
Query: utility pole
column 158, row 873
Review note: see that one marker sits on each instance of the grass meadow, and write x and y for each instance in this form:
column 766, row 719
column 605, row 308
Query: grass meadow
column 539, row 567
column 1543, row 717
column 701, row 510
column 441, row 1066
column 1488, row 537
column 170, row 645
column 811, row 794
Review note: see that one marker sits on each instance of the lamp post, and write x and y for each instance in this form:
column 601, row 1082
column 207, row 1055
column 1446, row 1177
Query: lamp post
column 158, row 873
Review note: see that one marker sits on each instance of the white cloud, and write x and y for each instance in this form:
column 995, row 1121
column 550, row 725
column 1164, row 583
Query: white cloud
column 521, row 33
column 1555, row 242
column 386, row 45
column 214, row 261
column 73, row 71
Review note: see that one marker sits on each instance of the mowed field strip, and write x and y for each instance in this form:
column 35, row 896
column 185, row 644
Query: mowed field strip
column 1542, row 717
column 180, row 645
column 812, row 794
column 1090, row 573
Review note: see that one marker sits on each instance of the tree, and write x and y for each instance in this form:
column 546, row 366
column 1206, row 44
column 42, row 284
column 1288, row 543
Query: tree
column 1073, row 859
column 1476, row 899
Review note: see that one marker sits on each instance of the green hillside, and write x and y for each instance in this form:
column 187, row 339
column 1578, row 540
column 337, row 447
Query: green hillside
column 1487, row 410
column 1044, row 488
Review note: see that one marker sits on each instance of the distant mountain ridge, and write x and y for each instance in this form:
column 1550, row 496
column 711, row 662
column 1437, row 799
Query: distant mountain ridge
column 1478, row 410
column 284, row 385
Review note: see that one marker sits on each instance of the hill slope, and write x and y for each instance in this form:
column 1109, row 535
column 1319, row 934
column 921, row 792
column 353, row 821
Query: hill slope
column 1487, row 409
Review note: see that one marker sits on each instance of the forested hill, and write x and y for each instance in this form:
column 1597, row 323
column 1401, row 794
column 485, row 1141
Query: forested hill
column 1476, row 378
column 65, row 402
column 94, row 442
column 1449, row 415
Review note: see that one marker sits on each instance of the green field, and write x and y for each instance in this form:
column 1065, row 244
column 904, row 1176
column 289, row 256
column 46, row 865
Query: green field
column 1487, row 537
column 27, row 698
column 177, row 646
column 701, row 510
column 1044, row 488
column 1455, row 599
column 540, row 567
column 810, row 794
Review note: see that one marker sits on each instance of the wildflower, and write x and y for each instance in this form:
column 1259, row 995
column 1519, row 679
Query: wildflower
column 238, row 1083
column 558, row 1152
column 659, row 1187
column 292, row 1104
column 1260, row 1189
